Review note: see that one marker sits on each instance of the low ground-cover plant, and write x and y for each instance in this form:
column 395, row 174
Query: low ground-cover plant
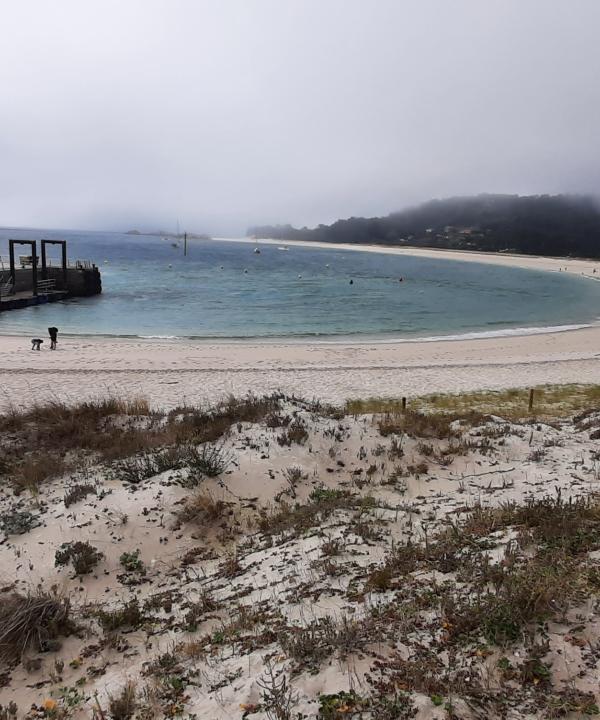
column 18, row 522
column 142, row 467
column 126, row 616
column 545, row 570
column 301, row 517
column 81, row 555
column 10, row 711
column 532, row 592
column 296, row 432
column 424, row 425
column 6, row 463
column 132, row 562
column 77, row 492
column 197, row 610
column 275, row 420
column 573, row 524
column 293, row 475
column 310, row 644
column 279, row 699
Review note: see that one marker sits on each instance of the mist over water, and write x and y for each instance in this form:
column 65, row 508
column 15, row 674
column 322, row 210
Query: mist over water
column 234, row 113
column 225, row 290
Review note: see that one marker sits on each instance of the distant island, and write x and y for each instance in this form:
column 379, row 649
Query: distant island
column 559, row 225
column 167, row 234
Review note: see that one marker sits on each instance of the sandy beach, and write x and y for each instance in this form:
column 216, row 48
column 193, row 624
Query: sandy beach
column 170, row 373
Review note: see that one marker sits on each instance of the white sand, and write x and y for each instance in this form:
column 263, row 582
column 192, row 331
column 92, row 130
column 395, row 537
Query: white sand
column 170, row 373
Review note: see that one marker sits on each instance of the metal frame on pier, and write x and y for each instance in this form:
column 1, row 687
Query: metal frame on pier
column 11, row 253
column 63, row 244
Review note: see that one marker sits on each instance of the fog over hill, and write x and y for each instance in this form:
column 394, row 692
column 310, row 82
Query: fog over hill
column 224, row 114
column 563, row 225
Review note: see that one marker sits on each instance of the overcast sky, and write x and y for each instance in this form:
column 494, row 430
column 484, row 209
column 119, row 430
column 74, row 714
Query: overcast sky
column 225, row 113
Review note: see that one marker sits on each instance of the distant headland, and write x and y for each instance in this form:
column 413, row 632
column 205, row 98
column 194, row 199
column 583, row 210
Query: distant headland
column 166, row 233
column 559, row 225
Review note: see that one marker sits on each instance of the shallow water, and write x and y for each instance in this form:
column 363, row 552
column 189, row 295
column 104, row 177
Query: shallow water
column 151, row 289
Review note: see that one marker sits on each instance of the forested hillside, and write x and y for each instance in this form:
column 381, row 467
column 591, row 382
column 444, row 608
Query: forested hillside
column 563, row 225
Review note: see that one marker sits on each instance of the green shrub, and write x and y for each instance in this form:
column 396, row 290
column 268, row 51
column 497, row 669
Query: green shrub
column 83, row 556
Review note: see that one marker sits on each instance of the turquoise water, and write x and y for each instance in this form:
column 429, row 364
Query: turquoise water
column 151, row 289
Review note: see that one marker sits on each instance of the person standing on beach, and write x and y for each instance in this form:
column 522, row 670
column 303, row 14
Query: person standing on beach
column 53, row 332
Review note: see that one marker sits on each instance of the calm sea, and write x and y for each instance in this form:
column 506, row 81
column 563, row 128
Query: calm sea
column 226, row 290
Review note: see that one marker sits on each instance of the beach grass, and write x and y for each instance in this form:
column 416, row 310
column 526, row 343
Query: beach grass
column 549, row 401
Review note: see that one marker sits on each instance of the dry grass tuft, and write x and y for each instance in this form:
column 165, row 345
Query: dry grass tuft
column 572, row 526
column 128, row 615
column 35, row 470
column 123, row 705
column 298, row 518
column 425, row 425
column 114, row 429
column 550, row 401
column 78, row 491
column 64, row 416
column 32, row 621
column 204, row 509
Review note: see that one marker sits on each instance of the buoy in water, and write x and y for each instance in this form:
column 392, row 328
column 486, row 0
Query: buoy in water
column 401, row 279
column 351, row 282
column 299, row 276
column 245, row 270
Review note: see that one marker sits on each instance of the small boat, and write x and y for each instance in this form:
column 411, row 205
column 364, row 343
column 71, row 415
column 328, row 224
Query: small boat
column 256, row 251
column 175, row 245
column 284, row 247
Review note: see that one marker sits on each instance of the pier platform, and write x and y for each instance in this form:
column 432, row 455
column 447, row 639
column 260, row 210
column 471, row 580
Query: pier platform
column 32, row 284
column 26, row 299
